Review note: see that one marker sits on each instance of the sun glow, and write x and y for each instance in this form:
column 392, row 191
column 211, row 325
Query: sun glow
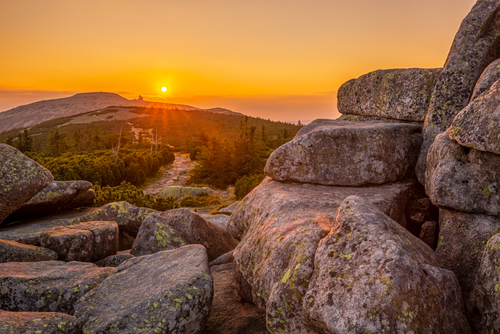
column 164, row 89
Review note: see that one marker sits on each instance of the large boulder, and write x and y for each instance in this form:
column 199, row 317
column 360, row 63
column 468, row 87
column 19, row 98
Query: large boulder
column 228, row 314
column 20, row 179
column 166, row 292
column 462, row 241
column 196, row 230
column 155, row 235
column 489, row 76
column 371, row 275
column 402, row 94
column 11, row 251
column 48, row 286
column 52, row 198
column 477, row 125
column 348, row 153
column 486, row 293
column 38, row 322
column 278, row 241
column 462, row 178
column 475, row 46
column 86, row 242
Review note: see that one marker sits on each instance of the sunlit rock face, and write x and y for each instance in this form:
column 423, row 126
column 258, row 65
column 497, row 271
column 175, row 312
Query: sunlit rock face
column 475, row 46
column 402, row 94
column 39, row 322
column 489, row 76
column 348, row 153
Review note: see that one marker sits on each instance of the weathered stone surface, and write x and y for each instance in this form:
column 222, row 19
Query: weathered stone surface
column 219, row 220
column 418, row 211
column 402, row 94
column 230, row 208
column 38, row 322
column 155, row 235
column 48, row 286
column 114, row 260
column 128, row 217
column 174, row 295
column 462, row 240
column 228, row 314
column 86, row 242
column 429, row 234
column 489, row 76
column 69, row 244
column 223, row 259
column 20, row 179
column 82, row 199
column 371, row 275
column 11, row 251
column 52, row 198
column 475, row 46
column 196, row 230
column 280, row 240
column 478, row 125
column 462, row 178
column 485, row 295
column 348, row 154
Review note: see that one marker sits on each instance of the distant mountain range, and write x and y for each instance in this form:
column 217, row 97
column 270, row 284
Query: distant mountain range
column 38, row 112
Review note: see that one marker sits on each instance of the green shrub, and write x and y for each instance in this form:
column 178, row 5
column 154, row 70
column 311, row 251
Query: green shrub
column 246, row 184
column 200, row 200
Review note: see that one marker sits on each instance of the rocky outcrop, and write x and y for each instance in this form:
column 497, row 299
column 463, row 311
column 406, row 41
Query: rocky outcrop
column 475, row 46
column 114, row 260
column 11, row 251
column 477, row 125
column 229, row 315
column 486, row 296
column 86, row 242
column 196, row 230
column 371, row 274
column 348, row 154
column 38, row 322
column 58, row 195
column 489, row 76
column 462, row 241
column 156, row 235
column 279, row 241
column 174, row 295
column 461, row 178
column 402, row 94
column 20, row 179
column 49, row 286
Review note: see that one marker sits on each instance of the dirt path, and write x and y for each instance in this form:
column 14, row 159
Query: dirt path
column 175, row 176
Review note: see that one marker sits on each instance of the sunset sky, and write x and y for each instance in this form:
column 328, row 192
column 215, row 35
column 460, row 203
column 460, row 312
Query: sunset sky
column 275, row 59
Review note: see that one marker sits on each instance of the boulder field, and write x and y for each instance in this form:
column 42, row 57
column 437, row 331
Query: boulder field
column 386, row 220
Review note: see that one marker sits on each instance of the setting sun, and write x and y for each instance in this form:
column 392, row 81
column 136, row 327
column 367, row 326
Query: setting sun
column 164, row 89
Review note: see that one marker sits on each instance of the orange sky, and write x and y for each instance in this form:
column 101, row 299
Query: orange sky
column 269, row 58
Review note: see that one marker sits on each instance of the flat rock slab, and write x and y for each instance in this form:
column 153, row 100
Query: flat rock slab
column 167, row 292
column 280, row 226
column 478, row 125
column 86, row 242
column 371, row 275
column 402, row 94
column 348, row 154
column 462, row 178
column 38, row 322
column 219, row 220
column 11, row 251
column 462, row 241
column 489, row 76
column 20, row 179
column 473, row 49
column 155, row 235
column 229, row 314
column 196, row 230
column 49, row 286
column 114, row 260
column 52, row 198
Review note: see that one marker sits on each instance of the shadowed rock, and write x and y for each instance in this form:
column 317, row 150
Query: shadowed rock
column 174, row 295
column 49, row 286
column 475, row 46
column 373, row 275
column 429, row 234
column 38, row 322
column 114, row 260
column 11, row 251
column 348, row 154
column 20, row 179
column 402, row 94
column 462, row 178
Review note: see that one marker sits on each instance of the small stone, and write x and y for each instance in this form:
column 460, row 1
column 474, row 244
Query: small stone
column 11, row 251
column 428, row 233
